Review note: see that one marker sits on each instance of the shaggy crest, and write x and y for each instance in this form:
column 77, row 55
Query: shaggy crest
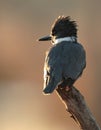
column 64, row 27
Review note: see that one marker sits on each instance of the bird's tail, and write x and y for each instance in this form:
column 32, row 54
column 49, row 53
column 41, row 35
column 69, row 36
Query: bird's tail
column 50, row 87
column 48, row 90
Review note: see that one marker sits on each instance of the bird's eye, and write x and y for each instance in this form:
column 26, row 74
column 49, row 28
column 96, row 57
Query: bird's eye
column 53, row 32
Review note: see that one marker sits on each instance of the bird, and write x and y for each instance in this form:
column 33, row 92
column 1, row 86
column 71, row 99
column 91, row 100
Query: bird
column 66, row 59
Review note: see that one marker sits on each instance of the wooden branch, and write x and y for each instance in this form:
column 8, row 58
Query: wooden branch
column 76, row 106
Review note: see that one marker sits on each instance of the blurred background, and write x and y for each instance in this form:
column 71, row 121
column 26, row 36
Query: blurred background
column 22, row 22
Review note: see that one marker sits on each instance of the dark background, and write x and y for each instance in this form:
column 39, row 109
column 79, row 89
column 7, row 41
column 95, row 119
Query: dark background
column 22, row 22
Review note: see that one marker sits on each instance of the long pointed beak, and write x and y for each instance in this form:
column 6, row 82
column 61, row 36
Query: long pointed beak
column 46, row 38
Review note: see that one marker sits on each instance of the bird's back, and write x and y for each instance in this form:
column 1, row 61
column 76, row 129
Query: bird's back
column 64, row 60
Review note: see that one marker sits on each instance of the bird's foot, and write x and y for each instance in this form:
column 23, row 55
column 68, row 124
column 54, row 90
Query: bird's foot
column 67, row 88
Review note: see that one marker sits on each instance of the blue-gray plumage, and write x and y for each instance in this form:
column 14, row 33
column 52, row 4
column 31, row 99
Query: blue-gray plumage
column 65, row 61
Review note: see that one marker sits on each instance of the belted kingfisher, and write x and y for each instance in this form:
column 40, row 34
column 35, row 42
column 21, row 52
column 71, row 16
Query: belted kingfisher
column 65, row 61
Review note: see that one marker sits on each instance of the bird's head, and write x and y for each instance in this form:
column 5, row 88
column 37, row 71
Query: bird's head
column 62, row 27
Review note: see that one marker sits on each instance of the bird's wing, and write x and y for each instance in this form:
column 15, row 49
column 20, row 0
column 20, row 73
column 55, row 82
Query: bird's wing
column 73, row 60
column 52, row 71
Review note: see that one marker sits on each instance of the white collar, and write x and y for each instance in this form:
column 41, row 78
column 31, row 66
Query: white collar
column 69, row 39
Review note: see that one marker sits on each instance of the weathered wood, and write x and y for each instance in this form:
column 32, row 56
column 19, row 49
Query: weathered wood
column 77, row 107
